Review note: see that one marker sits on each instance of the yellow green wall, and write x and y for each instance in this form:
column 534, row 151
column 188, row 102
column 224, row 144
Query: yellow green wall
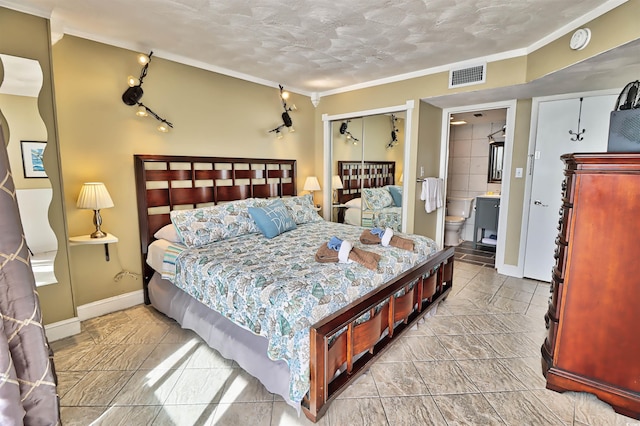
column 213, row 115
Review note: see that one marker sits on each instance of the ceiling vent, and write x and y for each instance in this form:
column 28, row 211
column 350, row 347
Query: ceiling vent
column 467, row 76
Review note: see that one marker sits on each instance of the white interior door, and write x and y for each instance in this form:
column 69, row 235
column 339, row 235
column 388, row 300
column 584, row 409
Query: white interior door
column 555, row 119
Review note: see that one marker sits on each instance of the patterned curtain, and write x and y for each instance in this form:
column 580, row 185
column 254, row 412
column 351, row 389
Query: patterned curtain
column 27, row 378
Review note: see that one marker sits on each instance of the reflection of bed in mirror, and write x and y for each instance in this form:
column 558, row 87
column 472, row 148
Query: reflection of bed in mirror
column 369, row 196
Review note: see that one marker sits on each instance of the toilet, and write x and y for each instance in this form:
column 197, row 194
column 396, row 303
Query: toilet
column 458, row 210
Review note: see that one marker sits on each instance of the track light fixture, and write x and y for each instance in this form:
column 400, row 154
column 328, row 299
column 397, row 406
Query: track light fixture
column 286, row 118
column 347, row 133
column 134, row 93
column 394, row 133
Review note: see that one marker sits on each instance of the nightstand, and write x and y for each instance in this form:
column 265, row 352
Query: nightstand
column 86, row 239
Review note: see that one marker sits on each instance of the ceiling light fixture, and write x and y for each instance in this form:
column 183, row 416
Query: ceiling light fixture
column 134, row 93
column 349, row 137
column 286, row 118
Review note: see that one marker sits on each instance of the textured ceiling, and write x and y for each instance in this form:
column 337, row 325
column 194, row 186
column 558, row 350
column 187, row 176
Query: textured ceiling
column 317, row 45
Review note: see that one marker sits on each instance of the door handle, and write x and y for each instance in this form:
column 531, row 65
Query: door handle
column 539, row 203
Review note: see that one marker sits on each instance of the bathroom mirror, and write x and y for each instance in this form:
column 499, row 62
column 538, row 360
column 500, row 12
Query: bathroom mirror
column 496, row 154
column 367, row 154
column 26, row 135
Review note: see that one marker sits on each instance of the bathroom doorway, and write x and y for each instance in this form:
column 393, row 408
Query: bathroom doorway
column 477, row 164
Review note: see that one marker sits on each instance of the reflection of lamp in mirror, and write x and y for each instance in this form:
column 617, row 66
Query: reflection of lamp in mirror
column 311, row 185
column 336, row 183
column 94, row 196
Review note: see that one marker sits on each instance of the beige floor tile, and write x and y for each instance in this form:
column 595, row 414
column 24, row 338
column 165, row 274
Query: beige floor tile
column 243, row 413
column 444, row 377
column 243, row 387
column 201, row 386
column 206, row 357
column 446, row 325
column 127, row 416
column 560, row 404
column 514, row 407
column 412, row 410
column 147, row 387
column 425, row 348
column 398, row 379
column 591, row 411
column 67, row 380
column 515, row 294
column 170, row 355
column 489, row 375
column 467, row 346
column 80, row 416
column 177, row 334
column 363, row 411
column 467, row 409
column 96, row 388
column 510, row 345
column 123, row 357
column 363, row 387
column 528, row 370
column 196, row 414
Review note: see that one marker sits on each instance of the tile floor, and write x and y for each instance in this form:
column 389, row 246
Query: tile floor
column 481, row 255
column 476, row 362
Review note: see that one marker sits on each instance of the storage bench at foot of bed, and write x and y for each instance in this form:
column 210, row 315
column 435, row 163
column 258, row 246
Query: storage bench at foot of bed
column 346, row 344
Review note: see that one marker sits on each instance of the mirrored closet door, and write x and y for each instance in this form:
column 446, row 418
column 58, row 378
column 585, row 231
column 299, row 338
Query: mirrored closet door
column 366, row 170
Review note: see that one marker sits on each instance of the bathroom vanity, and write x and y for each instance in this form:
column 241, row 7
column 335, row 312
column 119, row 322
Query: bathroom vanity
column 486, row 218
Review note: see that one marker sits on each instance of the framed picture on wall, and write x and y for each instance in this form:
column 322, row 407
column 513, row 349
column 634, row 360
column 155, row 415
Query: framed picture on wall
column 32, row 153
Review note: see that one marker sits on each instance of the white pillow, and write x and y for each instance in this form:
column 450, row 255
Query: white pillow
column 169, row 233
column 354, row 203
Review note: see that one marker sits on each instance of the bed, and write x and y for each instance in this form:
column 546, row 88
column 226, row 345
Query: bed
column 369, row 196
column 361, row 312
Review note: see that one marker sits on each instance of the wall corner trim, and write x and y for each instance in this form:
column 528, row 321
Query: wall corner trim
column 111, row 304
column 61, row 329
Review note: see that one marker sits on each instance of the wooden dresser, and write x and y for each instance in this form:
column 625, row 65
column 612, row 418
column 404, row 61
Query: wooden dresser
column 593, row 321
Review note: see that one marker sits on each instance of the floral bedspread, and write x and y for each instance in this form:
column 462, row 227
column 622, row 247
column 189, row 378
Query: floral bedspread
column 276, row 289
column 386, row 217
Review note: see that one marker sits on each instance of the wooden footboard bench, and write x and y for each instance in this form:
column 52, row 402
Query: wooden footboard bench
column 356, row 348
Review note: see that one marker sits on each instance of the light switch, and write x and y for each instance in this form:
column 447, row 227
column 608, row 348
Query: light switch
column 518, row 172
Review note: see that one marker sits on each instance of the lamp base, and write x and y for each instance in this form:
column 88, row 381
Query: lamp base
column 98, row 234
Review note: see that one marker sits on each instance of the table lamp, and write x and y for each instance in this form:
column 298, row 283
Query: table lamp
column 311, row 185
column 94, row 196
column 336, row 183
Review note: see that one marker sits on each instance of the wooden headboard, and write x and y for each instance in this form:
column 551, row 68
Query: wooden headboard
column 167, row 182
column 356, row 175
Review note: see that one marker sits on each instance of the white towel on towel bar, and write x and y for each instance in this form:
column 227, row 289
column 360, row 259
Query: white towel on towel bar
column 432, row 189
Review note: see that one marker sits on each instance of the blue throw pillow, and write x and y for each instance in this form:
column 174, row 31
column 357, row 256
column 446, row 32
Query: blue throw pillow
column 272, row 220
column 396, row 194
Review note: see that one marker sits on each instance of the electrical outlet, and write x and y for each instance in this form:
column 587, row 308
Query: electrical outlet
column 518, row 172
column 421, row 171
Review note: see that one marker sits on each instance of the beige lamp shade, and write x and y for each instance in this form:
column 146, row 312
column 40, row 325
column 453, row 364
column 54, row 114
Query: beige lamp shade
column 94, row 196
column 311, row 184
column 336, row 182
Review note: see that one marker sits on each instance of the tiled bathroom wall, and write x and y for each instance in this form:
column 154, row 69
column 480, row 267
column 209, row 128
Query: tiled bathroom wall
column 469, row 164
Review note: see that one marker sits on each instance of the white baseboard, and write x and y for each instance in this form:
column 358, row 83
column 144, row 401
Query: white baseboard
column 61, row 329
column 112, row 304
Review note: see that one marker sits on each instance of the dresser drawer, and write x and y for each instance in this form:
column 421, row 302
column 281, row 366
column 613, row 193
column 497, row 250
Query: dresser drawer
column 564, row 222
column 560, row 255
column 556, row 296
